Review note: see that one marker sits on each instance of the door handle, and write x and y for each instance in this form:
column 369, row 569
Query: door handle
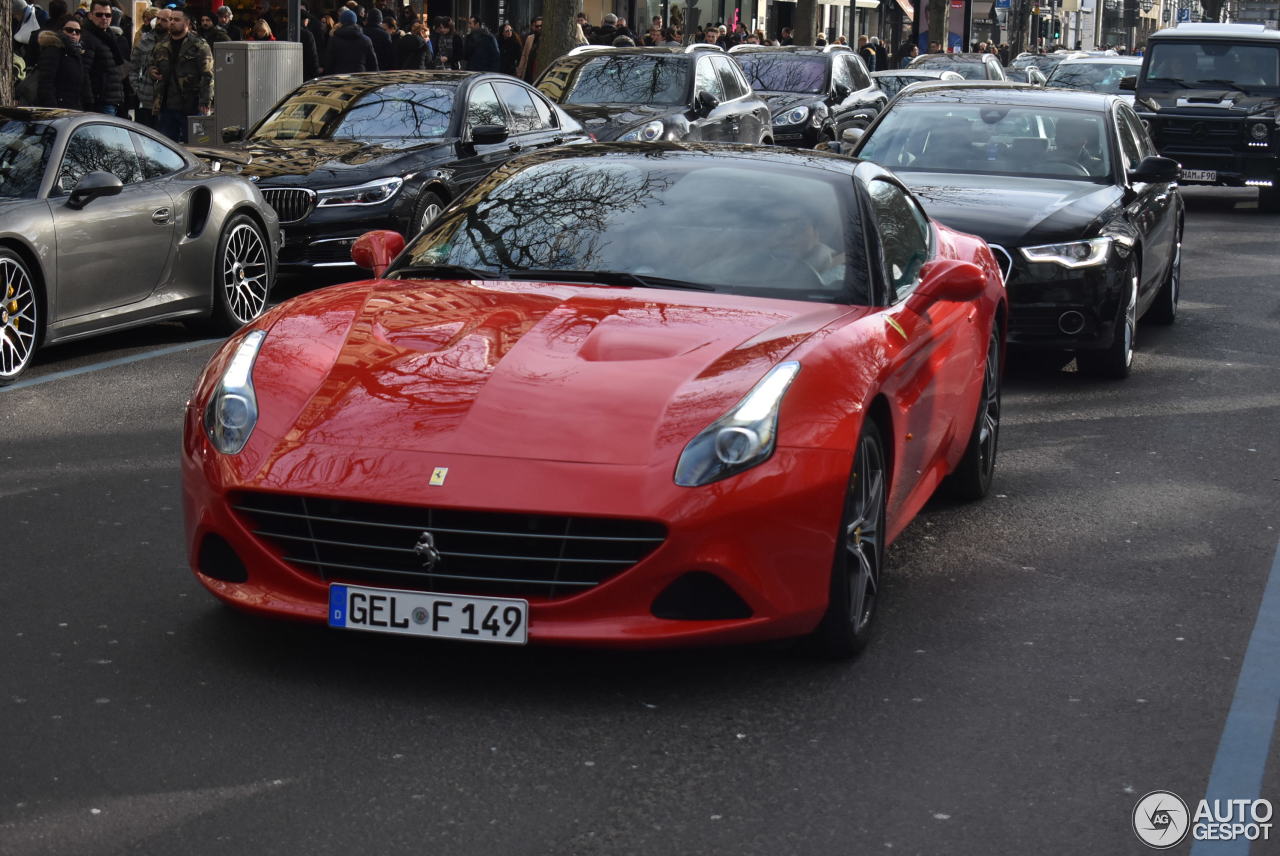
column 160, row 216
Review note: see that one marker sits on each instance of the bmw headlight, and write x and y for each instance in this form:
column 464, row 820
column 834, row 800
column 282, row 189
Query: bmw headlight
column 794, row 116
column 232, row 410
column 369, row 193
column 646, row 133
column 740, row 439
column 1074, row 254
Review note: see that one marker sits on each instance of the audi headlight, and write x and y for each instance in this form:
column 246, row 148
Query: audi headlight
column 1259, row 131
column 232, row 410
column 1074, row 254
column 740, row 439
column 369, row 193
column 794, row 116
column 646, row 133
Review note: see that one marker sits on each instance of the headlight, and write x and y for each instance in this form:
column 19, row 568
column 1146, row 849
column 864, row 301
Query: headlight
column 1075, row 254
column 370, row 193
column 646, row 133
column 794, row 116
column 232, row 410
column 741, row 438
column 1258, row 131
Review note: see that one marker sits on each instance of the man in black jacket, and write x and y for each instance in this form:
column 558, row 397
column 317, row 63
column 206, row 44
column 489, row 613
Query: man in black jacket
column 227, row 20
column 349, row 49
column 106, row 77
column 451, row 50
column 382, row 47
column 482, row 49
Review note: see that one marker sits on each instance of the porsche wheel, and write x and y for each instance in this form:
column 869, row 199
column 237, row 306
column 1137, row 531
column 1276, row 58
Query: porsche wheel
column 243, row 275
column 972, row 478
column 1165, row 309
column 860, row 548
column 19, row 317
column 1116, row 360
column 428, row 209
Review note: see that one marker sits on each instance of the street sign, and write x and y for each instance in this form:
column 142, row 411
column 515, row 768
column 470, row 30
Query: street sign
column 1184, row 15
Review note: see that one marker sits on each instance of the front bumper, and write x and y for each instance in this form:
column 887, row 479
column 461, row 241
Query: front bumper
column 1221, row 145
column 804, row 136
column 768, row 533
column 1056, row 308
column 323, row 237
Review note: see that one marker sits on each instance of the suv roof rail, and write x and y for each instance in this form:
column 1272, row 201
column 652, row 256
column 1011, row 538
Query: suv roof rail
column 836, row 48
column 581, row 49
column 703, row 46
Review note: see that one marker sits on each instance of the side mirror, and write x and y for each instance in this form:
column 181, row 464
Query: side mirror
column 853, row 136
column 375, row 250
column 704, row 102
column 1129, row 84
column 841, row 90
column 487, row 134
column 1156, row 170
column 232, row 134
column 947, row 279
column 92, row 186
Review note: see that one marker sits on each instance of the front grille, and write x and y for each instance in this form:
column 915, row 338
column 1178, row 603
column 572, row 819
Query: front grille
column 481, row 552
column 291, row 204
column 1003, row 259
column 1196, row 134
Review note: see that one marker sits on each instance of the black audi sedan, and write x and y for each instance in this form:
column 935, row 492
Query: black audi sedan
column 345, row 154
column 1083, row 216
column 648, row 94
column 814, row 94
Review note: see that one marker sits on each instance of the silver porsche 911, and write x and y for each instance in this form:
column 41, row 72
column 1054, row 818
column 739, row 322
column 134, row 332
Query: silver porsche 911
column 105, row 224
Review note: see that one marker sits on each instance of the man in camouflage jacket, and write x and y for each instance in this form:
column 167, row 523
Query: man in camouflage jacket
column 182, row 68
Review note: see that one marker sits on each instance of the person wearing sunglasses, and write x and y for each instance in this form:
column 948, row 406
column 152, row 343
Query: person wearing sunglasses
column 107, row 74
column 63, row 70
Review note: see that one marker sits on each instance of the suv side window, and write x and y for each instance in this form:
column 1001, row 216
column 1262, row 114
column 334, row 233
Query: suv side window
column 904, row 236
column 840, row 73
column 732, row 88
column 707, row 80
column 483, row 107
column 858, row 72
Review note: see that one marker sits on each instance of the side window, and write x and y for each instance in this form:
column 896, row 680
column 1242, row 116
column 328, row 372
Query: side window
column 157, row 159
column 1145, row 147
column 840, row 72
column 1128, row 145
column 724, row 66
column 857, row 72
column 706, row 79
column 483, row 107
column 524, row 116
column 904, row 236
column 98, row 148
column 546, row 115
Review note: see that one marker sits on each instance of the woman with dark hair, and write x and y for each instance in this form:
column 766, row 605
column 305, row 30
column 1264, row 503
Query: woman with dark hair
column 412, row 50
column 511, row 47
column 64, row 67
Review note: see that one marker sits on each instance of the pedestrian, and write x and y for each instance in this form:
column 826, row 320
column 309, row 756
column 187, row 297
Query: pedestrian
column 413, row 51
column 451, row 50
column 482, row 48
column 882, row 52
column 227, row 20
column 381, row 41
column 607, row 31
column 144, row 86
column 182, row 67
column 107, row 72
column 670, row 38
column 528, row 69
column 511, row 46
column 260, row 32
column 310, row 52
column 784, row 37
column 28, row 21
column 349, row 48
column 63, row 69
column 211, row 31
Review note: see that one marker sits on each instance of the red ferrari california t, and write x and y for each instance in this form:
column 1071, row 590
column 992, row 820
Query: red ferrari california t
column 617, row 395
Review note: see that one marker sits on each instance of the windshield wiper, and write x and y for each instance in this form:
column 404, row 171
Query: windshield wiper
column 449, row 271
column 1227, row 83
column 605, row 277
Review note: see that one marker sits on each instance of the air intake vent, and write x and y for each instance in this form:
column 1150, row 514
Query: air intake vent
column 291, row 204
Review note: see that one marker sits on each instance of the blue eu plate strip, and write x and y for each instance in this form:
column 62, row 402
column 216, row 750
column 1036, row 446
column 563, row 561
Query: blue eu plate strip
column 337, row 606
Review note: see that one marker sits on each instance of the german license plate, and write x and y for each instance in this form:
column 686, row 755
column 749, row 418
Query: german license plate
column 413, row 613
column 1199, row 175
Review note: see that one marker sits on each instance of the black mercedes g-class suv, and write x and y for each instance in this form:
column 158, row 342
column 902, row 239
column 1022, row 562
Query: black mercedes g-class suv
column 1210, row 96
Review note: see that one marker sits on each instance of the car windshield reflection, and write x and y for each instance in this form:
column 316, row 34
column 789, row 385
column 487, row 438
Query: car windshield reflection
column 1214, row 64
column 630, row 80
column 1093, row 77
column 768, row 73
column 24, row 153
column 390, row 112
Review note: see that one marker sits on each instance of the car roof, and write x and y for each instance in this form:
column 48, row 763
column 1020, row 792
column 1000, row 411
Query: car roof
column 922, row 73
column 714, row 152
column 803, row 50
column 1230, row 32
column 1118, row 59
column 959, row 57
column 606, row 49
column 37, row 114
column 359, row 83
column 1014, row 94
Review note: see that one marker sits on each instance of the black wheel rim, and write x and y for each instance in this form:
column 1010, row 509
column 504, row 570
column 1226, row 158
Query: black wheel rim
column 245, row 273
column 1175, row 277
column 864, row 531
column 989, row 429
column 17, row 318
column 1131, row 319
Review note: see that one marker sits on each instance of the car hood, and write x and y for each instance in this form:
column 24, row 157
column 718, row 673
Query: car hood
column 781, row 101
column 344, row 160
column 1210, row 103
column 610, row 121
column 536, row 371
column 1012, row 211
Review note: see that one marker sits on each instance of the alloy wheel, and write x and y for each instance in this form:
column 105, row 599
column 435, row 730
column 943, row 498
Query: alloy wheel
column 429, row 214
column 864, row 531
column 989, row 431
column 246, row 272
column 1131, row 320
column 18, row 317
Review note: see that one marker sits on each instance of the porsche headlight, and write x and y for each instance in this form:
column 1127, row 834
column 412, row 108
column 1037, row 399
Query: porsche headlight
column 646, row 133
column 1073, row 254
column 742, row 438
column 369, row 193
column 232, row 410
column 794, row 116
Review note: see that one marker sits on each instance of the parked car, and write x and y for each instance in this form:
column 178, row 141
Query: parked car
column 1026, row 74
column 387, row 150
column 894, row 80
column 650, row 94
column 970, row 66
column 1210, row 94
column 1096, row 74
column 107, row 225
column 608, row 398
column 1069, row 191
column 813, row 94
column 1046, row 63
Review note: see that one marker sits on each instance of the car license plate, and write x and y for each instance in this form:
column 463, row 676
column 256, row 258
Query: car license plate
column 414, row 613
column 1199, row 175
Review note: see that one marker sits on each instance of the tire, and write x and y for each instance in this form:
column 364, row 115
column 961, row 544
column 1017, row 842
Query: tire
column 243, row 274
column 973, row 476
column 1116, row 360
column 855, row 570
column 428, row 209
column 1165, row 308
column 20, row 318
column 1269, row 199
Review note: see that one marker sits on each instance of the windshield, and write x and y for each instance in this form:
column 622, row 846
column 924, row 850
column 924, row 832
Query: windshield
column 660, row 216
column 1093, row 76
column 391, row 112
column 629, row 80
column 967, row 70
column 1184, row 65
column 991, row 138
column 24, row 152
column 782, row 73
column 1042, row 62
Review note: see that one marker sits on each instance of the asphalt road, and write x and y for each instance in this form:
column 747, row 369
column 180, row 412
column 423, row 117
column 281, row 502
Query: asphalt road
column 1045, row 657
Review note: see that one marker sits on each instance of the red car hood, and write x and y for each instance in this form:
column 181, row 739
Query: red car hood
column 551, row 372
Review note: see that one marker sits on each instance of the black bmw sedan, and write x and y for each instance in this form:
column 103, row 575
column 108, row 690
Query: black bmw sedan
column 813, row 94
column 648, row 94
column 1084, row 217
column 345, row 154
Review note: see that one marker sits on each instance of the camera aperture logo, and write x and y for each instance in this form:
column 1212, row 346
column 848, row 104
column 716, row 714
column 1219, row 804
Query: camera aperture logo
column 1160, row 820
